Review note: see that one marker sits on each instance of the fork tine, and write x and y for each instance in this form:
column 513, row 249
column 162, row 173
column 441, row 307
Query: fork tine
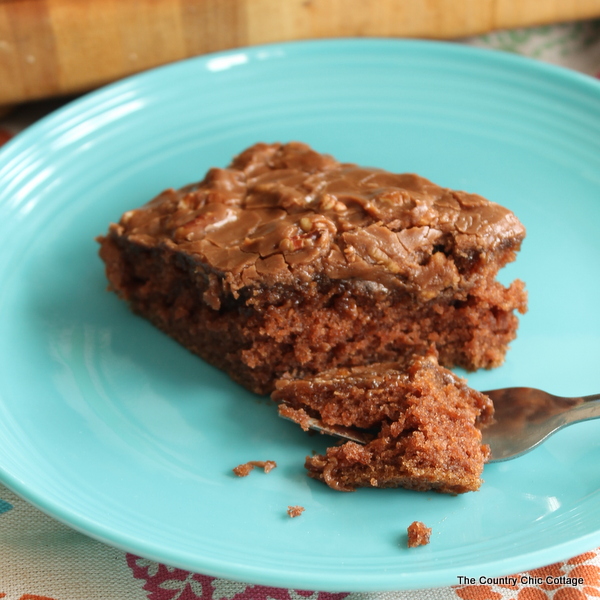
column 307, row 422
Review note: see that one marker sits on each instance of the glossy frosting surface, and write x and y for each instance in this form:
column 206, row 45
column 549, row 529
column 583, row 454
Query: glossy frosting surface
column 284, row 212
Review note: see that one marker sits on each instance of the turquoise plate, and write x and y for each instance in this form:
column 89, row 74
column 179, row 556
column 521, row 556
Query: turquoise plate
column 111, row 427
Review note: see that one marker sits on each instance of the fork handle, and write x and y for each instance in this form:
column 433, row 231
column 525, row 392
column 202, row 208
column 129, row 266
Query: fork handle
column 588, row 408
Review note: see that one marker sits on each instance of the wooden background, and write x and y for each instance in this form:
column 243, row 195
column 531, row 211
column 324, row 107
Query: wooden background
column 59, row 47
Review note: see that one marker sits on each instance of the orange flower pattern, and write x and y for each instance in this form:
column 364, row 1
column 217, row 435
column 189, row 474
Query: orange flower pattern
column 575, row 579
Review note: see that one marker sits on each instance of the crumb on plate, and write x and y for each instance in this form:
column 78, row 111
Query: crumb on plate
column 295, row 511
column 244, row 469
column 418, row 534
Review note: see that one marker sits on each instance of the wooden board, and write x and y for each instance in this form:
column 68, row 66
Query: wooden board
column 59, row 47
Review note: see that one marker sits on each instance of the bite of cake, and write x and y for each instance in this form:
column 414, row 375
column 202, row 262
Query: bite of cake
column 425, row 420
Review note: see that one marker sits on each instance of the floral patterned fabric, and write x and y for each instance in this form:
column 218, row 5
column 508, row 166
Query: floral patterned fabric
column 41, row 559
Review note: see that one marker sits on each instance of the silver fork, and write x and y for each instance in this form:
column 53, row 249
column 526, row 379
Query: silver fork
column 523, row 418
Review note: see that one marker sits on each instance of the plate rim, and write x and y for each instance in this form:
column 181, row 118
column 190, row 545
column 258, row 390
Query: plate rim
column 277, row 49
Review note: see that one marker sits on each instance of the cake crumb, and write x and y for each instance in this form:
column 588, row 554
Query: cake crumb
column 418, row 534
column 243, row 470
column 295, row 511
column 299, row 415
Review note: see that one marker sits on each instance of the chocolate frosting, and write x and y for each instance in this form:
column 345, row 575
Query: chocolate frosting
column 284, row 213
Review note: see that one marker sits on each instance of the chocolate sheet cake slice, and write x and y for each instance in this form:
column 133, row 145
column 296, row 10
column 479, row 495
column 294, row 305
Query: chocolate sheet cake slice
column 425, row 421
column 288, row 261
